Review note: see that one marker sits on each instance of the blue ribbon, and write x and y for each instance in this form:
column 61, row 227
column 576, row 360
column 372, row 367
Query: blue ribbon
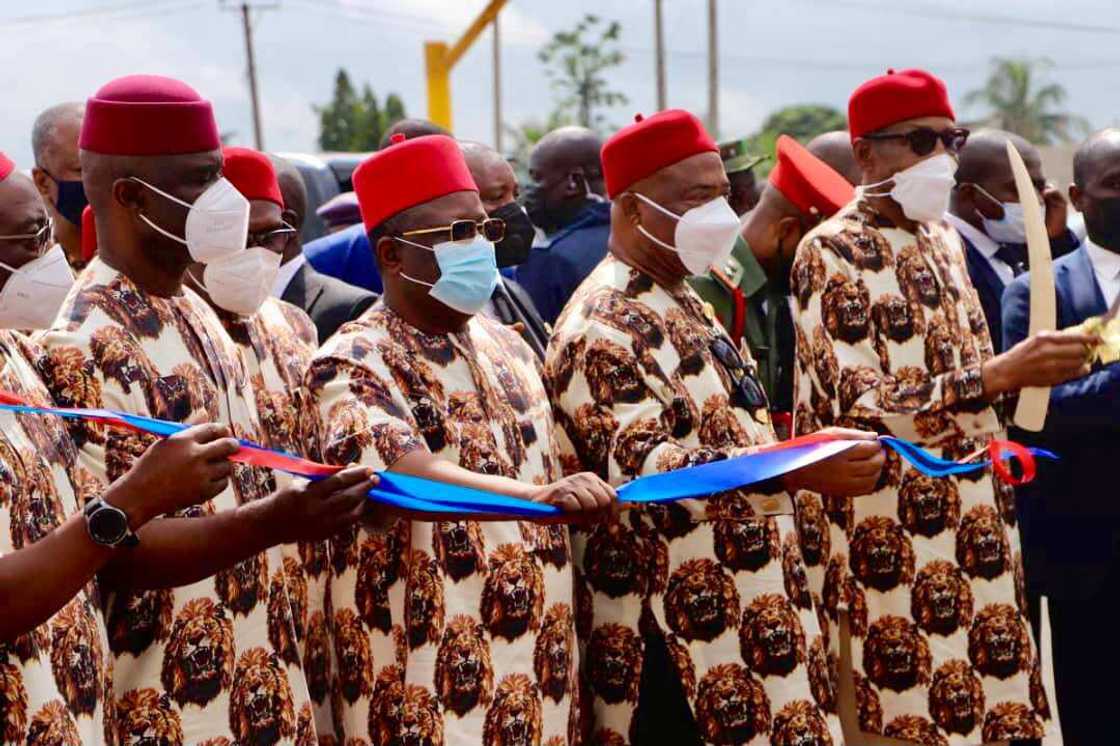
column 427, row 496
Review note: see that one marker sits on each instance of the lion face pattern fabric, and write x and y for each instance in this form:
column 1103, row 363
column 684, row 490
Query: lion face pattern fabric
column 446, row 632
column 638, row 390
column 206, row 660
column 55, row 681
column 276, row 345
column 891, row 337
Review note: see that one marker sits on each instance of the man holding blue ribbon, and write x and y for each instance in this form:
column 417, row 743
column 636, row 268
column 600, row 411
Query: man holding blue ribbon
column 199, row 611
column 696, row 623
column 55, row 664
column 925, row 573
column 276, row 341
column 458, row 631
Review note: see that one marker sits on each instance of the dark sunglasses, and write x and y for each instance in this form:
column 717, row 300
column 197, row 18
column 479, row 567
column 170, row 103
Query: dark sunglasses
column 274, row 240
column 748, row 393
column 37, row 240
column 492, row 229
column 924, row 139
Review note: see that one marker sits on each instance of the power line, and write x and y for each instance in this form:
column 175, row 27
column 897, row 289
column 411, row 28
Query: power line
column 939, row 14
column 152, row 7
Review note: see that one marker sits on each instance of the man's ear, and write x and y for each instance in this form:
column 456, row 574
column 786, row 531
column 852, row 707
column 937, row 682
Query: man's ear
column 292, row 218
column 790, row 231
column 1076, row 196
column 628, row 203
column 45, row 184
column 576, row 185
column 864, row 153
column 128, row 193
column 388, row 255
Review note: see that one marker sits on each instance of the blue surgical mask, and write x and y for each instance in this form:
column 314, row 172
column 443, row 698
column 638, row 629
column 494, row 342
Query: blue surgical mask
column 468, row 273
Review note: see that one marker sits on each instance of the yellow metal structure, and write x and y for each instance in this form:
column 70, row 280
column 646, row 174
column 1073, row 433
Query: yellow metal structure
column 439, row 59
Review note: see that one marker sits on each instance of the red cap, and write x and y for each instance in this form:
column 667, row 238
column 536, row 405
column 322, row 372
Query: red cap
column 896, row 97
column 148, row 115
column 807, row 181
column 649, row 145
column 409, row 173
column 252, row 173
column 6, row 166
column 89, row 234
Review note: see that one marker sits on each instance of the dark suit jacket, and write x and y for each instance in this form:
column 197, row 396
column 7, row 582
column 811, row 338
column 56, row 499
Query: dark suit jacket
column 329, row 302
column 1070, row 513
column 991, row 287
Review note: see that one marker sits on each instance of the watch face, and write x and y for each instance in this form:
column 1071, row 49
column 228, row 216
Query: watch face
column 108, row 526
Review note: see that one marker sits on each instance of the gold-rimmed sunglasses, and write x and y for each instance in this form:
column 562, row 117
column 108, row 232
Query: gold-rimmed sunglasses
column 492, row 229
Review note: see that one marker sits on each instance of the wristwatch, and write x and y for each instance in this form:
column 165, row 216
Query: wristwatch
column 108, row 525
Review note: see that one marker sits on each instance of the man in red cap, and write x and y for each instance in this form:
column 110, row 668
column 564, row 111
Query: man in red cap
column 457, row 631
column 276, row 342
column 750, row 292
column 891, row 337
column 644, row 380
column 57, row 670
column 211, row 654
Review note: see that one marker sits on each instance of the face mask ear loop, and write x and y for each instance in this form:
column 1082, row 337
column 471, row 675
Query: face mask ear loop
column 163, row 231
column 419, row 246
column 160, row 192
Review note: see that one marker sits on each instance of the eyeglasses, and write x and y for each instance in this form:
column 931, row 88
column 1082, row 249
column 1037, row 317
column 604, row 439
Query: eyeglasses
column 492, row 229
column 37, row 241
column 274, row 240
column 748, row 393
column 924, row 139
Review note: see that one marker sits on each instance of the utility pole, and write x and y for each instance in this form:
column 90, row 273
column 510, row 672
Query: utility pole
column 497, row 86
column 713, row 70
column 659, row 54
column 245, row 8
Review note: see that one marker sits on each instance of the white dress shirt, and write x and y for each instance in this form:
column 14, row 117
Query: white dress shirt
column 287, row 272
column 986, row 246
column 1106, row 266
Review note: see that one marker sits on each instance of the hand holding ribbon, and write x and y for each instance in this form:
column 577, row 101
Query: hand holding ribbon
column 426, row 497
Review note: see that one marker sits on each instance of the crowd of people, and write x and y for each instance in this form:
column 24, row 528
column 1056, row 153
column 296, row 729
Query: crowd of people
column 644, row 305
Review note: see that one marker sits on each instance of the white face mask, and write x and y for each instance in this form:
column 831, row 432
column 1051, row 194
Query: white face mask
column 34, row 293
column 1011, row 228
column 241, row 283
column 922, row 190
column 217, row 223
column 705, row 235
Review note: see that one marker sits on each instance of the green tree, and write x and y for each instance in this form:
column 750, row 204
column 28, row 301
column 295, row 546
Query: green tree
column 353, row 122
column 802, row 122
column 577, row 61
column 1020, row 101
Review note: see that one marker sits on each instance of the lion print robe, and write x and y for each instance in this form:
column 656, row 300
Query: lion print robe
column 638, row 390
column 277, row 343
column 891, row 337
column 117, row 347
column 449, row 632
column 61, row 669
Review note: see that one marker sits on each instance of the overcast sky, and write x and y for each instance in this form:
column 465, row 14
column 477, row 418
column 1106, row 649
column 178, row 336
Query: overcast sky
column 773, row 53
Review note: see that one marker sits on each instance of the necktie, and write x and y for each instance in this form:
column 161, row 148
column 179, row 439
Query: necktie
column 1014, row 256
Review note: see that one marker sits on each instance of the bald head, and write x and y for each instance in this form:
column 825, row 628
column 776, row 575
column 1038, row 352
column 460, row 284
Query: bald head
column 564, row 169
column 497, row 184
column 410, row 128
column 1096, row 187
column 984, row 156
column 1094, row 155
column 567, row 149
column 835, row 149
column 985, row 181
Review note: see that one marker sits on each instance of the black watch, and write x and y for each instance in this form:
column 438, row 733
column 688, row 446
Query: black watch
column 108, row 525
